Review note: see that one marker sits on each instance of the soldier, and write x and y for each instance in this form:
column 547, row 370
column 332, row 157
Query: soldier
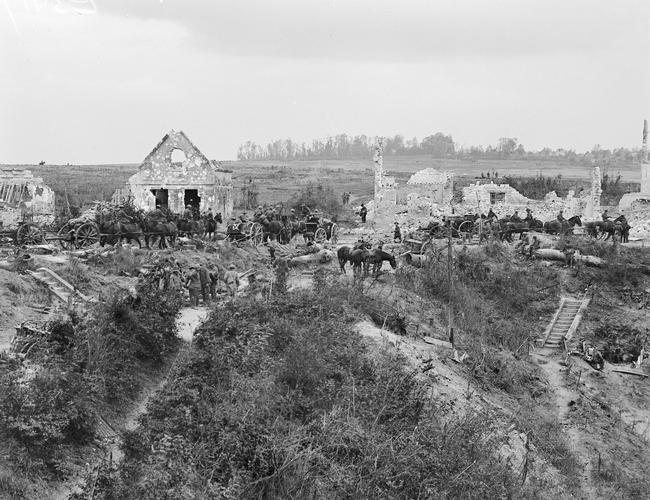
column 243, row 217
column 397, row 233
column 175, row 283
column 605, row 216
column 204, row 278
column 515, row 217
column 529, row 215
column 232, row 280
column 193, row 284
column 363, row 213
column 187, row 213
column 560, row 217
column 292, row 215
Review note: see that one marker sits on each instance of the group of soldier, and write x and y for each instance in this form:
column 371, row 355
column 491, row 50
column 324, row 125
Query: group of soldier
column 200, row 281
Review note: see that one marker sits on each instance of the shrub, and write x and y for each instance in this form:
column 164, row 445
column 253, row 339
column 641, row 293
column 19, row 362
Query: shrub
column 318, row 196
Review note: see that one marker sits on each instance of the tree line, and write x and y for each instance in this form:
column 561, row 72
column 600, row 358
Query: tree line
column 438, row 145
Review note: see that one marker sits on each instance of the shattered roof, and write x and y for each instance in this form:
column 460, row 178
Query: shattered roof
column 172, row 135
column 430, row 176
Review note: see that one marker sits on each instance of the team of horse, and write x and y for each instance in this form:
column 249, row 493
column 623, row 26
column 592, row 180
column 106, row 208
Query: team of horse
column 163, row 228
column 364, row 257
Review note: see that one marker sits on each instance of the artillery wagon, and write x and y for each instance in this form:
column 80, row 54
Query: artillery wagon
column 23, row 233
column 252, row 232
column 323, row 230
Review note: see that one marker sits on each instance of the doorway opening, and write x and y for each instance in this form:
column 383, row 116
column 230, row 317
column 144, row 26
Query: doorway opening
column 162, row 198
column 193, row 199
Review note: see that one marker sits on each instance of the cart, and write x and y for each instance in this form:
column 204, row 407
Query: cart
column 245, row 231
column 24, row 233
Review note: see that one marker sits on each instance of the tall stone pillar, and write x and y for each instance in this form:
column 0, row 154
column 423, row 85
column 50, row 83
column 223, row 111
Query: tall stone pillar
column 645, row 166
column 379, row 174
column 592, row 210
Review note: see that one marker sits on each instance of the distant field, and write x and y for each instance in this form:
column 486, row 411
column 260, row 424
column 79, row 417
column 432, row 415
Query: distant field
column 278, row 181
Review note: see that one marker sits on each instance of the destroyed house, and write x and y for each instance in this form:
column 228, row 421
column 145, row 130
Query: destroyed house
column 176, row 174
column 24, row 198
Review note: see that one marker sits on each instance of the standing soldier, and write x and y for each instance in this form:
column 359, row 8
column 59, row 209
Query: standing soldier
column 204, row 278
column 194, row 286
column 397, row 233
column 232, row 280
column 363, row 213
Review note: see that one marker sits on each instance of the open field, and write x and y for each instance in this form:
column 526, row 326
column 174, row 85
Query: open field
column 278, row 181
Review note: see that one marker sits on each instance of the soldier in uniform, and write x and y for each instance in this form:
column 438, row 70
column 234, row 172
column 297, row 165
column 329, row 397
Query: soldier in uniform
column 397, row 233
column 560, row 217
column 232, row 280
column 363, row 213
column 605, row 216
column 515, row 217
column 193, row 284
column 187, row 213
column 204, row 278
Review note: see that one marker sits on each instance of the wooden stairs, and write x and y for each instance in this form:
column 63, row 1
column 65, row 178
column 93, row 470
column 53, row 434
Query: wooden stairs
column 564, row 323
column 59, row 287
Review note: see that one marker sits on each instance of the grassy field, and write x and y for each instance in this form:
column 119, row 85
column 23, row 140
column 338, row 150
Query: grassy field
column 279, row 181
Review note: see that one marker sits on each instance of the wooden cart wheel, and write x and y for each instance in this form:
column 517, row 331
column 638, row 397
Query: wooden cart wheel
column 66, row 236
column 334, row 233
column 320, row 235
column 87, row 235
column 465, row 230
column 256, row 233
column 29, row 234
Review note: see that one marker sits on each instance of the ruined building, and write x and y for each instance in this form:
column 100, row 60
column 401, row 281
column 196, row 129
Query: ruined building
column 24, row 198
column 427, row 188
column 176, row 174
column 385, row 192
column 640, row 200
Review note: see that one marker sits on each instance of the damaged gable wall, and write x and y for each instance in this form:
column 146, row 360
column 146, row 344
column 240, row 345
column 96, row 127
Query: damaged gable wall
column 24, row 197
column 195, row 171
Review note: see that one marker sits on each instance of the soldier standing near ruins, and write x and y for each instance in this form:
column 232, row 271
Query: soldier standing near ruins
column 204, row 278
column 194, row 286
column 232, row 280
column 397, row 233
column 363, row 213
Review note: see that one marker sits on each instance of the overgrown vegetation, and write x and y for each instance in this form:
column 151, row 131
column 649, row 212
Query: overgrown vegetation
column 281, row 399
column 85, row 367
column 319, row 197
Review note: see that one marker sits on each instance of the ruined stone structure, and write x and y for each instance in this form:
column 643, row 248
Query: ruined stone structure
column 427, row 188
column 385, row 187
column 176, row 174
column 641, row 199
column 503, row 199
column 24, row 197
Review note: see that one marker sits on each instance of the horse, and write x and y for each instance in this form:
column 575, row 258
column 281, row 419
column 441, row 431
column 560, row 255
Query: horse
column 618, row 226
column 562, row 228
column 210, row 224
column 116, row 232
column 359, row 260
column 274, row 230
column 343, row 254
column 190, row 228
column 158, row 228
column 377, row 257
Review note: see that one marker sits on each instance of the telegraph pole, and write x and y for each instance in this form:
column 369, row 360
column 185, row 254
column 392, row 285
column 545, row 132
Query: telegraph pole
column 450, row 310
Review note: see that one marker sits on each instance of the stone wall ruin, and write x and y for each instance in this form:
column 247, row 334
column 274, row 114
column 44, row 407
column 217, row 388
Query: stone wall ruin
column 24, row 198
column 176, row 174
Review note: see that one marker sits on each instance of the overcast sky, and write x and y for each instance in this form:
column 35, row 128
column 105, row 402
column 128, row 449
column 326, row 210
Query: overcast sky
column 102, row 81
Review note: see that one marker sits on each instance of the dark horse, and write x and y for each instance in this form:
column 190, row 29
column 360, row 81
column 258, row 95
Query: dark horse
column 562, row 228
column 158, row 228
column 618, row 226
column 114, row 231
column 190, row 228
column 344, row 255
column 275, row 230
column 377, row 258
column 210, row 224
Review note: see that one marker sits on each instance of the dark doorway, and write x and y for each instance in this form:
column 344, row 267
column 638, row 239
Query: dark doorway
column 162, row 197
column 193, row 199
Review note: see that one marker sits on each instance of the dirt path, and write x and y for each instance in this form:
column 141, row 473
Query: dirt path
column 187, row 322
column 563, row 396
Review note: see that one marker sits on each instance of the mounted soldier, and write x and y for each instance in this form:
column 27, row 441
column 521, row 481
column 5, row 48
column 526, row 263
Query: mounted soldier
column 515, row 217
column 605, row 216
column 187, row 213
column 529, row 215
column 491, row 215
column 560, row 217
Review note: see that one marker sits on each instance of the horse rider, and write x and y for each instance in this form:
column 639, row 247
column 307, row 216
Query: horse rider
column 605, row 216
column 515, row 217
column 292, row 215
column 359, row 245
column 210, row 215
column 187, row 213
column 560, row 217
column 232, row 280
column 491, row 215
column 243, row 217
column 305, row 210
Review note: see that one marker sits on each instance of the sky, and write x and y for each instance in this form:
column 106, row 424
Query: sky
column 101, row 81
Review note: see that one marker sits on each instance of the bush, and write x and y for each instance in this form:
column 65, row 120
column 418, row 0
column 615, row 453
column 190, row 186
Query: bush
column 321, row 197
column 281, row 399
